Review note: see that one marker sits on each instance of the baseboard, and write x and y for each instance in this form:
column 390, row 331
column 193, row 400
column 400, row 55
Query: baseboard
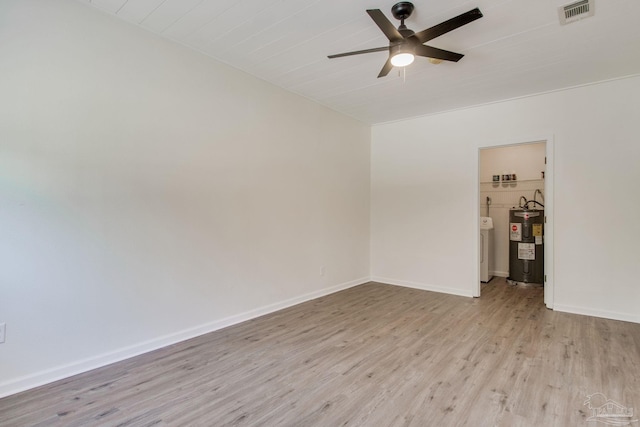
column 613, row 315
column 61, row 372
column 421, row 286
column 500, row 273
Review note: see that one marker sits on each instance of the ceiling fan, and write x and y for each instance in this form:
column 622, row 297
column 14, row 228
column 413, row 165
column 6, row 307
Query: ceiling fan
column 404, row 44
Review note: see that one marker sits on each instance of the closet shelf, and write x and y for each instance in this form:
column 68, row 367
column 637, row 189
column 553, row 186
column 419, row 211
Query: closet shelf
column 511, row 182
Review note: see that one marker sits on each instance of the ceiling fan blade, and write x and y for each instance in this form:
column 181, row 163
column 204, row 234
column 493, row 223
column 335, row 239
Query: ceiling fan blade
column 446, row 26
column 385, row 25
column 385, row 68
column 358, row 52
column 434, row 52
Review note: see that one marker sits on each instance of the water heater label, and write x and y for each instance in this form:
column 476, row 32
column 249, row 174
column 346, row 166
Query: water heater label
column 527, row 251
column 537, row 233
column 537, row 230
column 515, row 232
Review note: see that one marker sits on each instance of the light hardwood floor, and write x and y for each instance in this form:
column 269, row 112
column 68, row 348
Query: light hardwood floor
column 373, row 355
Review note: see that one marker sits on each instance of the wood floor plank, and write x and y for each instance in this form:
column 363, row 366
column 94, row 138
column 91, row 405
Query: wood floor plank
column 372, row 355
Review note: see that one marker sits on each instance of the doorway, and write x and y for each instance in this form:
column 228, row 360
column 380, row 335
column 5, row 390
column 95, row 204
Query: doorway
column 510, row 174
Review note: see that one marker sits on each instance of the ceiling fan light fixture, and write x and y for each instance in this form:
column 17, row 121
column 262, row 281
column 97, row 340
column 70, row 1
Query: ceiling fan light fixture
column 402, row 55
column 402, row 59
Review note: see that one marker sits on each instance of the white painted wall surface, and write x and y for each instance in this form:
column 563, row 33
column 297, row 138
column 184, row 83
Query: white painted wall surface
column 424, row 188
column 149, row 194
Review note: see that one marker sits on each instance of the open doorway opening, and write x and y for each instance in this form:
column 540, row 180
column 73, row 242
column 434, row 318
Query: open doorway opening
column 514, row 206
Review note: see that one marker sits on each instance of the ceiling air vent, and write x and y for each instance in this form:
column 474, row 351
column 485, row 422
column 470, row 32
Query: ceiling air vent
column 576, row 11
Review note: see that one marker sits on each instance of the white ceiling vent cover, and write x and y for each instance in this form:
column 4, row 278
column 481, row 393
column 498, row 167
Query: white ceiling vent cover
column 576, row 11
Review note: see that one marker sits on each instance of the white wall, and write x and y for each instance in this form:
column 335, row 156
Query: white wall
column 148, row 193
column 424, row 187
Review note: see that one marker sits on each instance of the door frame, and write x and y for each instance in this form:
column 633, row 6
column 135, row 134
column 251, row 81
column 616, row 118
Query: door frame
column 549, row 286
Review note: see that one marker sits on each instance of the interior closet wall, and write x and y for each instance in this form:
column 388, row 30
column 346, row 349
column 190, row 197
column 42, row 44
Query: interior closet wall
column 527, row 161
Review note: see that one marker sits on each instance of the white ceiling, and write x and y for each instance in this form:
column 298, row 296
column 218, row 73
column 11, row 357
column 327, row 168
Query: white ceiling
column 518, row 48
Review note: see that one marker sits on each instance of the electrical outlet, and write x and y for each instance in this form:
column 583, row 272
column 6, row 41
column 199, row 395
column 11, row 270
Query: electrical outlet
column 3, row 329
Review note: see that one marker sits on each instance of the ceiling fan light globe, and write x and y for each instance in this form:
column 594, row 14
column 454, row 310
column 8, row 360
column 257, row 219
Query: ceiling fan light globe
column 402, row 59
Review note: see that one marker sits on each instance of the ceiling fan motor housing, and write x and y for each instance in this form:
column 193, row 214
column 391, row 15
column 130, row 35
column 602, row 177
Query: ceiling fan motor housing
column 402, row 10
